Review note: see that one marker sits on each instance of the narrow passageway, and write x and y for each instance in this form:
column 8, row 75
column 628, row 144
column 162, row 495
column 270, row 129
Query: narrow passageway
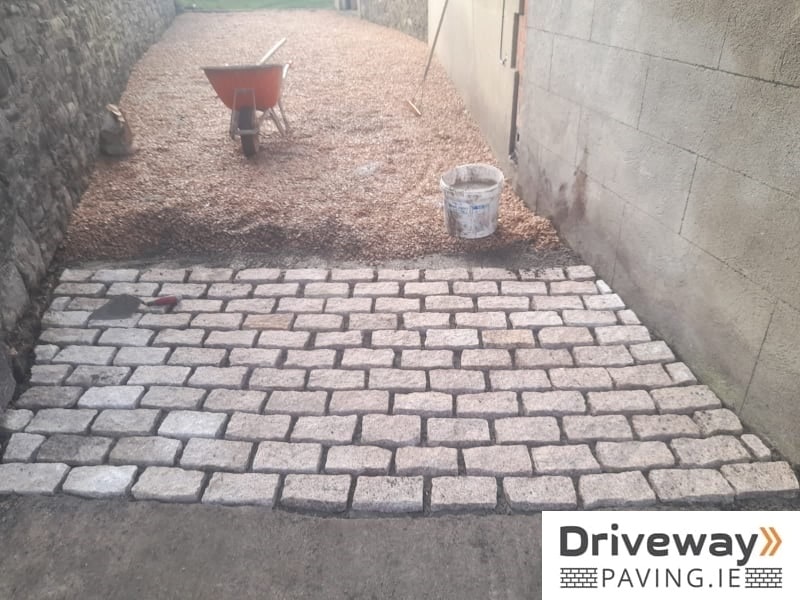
column 358, row 178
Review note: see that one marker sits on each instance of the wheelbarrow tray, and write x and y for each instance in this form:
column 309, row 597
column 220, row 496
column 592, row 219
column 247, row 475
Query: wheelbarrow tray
column 264, row 80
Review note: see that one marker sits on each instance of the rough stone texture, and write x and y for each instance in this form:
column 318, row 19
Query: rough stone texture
column 99, row 481
column 714, row 422
column 685, row 399
column 61, row 420
column 690, row 485
column 709, row 452
column 325, row 430
column 282, row 457
column 586, row 428
column 395, row 430
column 498, row 461
column 666, row 427
column 463, row 493
column 553, row 403
column 626, row 456
column 222, row 455
column 761, row 479
column 19, row 478
column 241, row 488
column 488, row 405
column 540, row 493
column 74, row 449
column 425, row 404
column 633, row 401
column 567, row 460
column 457, row 432
column 296, row 403
column 148, row 451
column 358, row 460
column 316, row 492
column 116, row 423
column 168, row 485
column 184, row 424
column 621, row 489
column 15, row 420
column 412, row 460
column 357, row 402
column 58, row 116
column 22, row 447
column 388, row 494
column 527, row 430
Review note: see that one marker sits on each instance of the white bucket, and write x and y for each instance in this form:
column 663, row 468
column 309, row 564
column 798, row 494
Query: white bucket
column 472, row 200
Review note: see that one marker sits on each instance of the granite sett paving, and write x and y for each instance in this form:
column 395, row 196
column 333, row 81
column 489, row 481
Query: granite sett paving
column 376, row 392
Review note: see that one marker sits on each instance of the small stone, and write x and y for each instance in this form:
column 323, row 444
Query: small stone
column 352, row 275
column 248, row 427
column 316, row 492
column 535, row 319
column 68, row 335
column 149, row 450
column 519, row 380
column 23, row 478
column 284, row 339
column 382, row 288
column 456, row 380
column 219, row 400
column 339, row 339
column 603, row 287
column 218, row 377
column 400, row 380
column 690, row 485
column 449, row 303
column 621, row 334
column 590, row 428
column 624, row 402
column 94, row 376
column 615, row 489
column 238, row 489
column 424, row 404
column 160, row 375
column 136, row 356
column 426, row 359
column 391, row 431
column 172, row 398
column 503, row 303
column 540, row 358
column 184, row 290
column 100, row 481
column 664, row 427
column 487, row 405
column 717, row 421
column 164, row 321
column 567, row 460
column 628, row 317
column 45, row 352
column 396, row 339
column 762, row 479
column 565, row 337
column 277, row 379
column 74, row 449
column 184, row 424
column 625, row 456
column 602, row 356
column 22, row 447
column 478, row 288
column 164, row 275
column 388, row 494
column 457, row 274
column 644, row 376
column 540, row 493
column 359, row 402
column 458, row 432
column 61, row 420
column 324, row 322
column 366, row 358
column 169, row 485
column 605, row 301
column 485, row 359
column 258, row 306
column 756, row 447
column 551, row 303
column 15, row 420
column 372, row 321
column 283, row 457
column 258, row 275
column 49, row 374
column 132, row 289
column 219, row 321
column 452, row 338
column 274, row 290
column 498, row 461
column 117, row 423
column 228, row 291
column 681, row 374
column 553, row 403
column 709, row 452
column 209, row 275
column 583, row 379
column 565, row 288
column 192, row 357
column 685, row 399
column 589, row 318
column 545, row 274
column 49, row 397
column 179, row 337
column 580, row 273
column 222, row 455
column 652, row 352
column 278, row 324
column 508, row 338
column 330, row 431
column 523, row 288
column 430, row 289
column 482, row 320
column 397, row 305
column 337, row 379
column 305, row 275
column 413, row 460
column 358, row 460
column 463, row 493
column 297, row 403
column 527, row 430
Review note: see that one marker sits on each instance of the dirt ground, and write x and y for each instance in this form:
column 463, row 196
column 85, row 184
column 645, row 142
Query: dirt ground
column 358, row 178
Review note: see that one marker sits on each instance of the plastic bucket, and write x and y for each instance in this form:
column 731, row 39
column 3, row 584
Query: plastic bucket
column 472, row 200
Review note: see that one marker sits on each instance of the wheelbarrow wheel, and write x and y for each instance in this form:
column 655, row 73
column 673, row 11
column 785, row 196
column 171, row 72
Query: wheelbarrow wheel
column 247, row 121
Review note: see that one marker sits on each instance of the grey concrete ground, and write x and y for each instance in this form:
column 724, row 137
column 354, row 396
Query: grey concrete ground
column 64, row 548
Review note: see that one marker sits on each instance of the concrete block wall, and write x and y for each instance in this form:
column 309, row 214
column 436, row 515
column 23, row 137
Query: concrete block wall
column 409, row 16
column 663, row 137
column 60, row 63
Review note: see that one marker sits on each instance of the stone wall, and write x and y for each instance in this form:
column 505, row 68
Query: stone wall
column 409, row 16
column 60, row 62
column 663, row 137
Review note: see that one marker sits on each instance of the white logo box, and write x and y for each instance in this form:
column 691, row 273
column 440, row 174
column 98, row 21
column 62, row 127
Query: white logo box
column 654, row 555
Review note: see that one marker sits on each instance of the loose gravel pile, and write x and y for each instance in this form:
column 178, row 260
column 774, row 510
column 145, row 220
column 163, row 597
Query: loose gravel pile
column 357, row 179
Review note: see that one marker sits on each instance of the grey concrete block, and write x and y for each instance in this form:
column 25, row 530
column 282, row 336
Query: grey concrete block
column 538, row 52
column 425, row 404
column 583, row 379
column 249, row 427
column 61, row 420
column 714, row 422
column 540, row 493
column 457, row 432
column 15, row 420
column 579, row 428
column 169, row 398
column 49, row 374
column 685, row 399
column 652, row 27
column 218, row 377
column 401, row 380
column 553, row 403
column 632, row 456
column 49, row 397
column 615, row 489
column 278, row 379
column 388, row 494
column 620, row 402
column 169, row 485
column 664, row 427
column 316, row 492
column 681, row 100
column 359, row 402
column 236, row 489
column 185, row 424
column 283, row 457
column 709, row 452
column 100, row 481
column 391, row 430
column 88, row 376
column 159, row 375
column 571, row 17
column 690, row 485
column 296, row 403
column 509, row 339
column 147, row 451
column 542, row 358
column 602, row 356
column 330, row 431
column 337, row 379
column 19, row 478
column 234, row 400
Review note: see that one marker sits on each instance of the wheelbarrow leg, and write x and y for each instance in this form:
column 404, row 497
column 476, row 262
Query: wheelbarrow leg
column 275, row 119
column 283, row 116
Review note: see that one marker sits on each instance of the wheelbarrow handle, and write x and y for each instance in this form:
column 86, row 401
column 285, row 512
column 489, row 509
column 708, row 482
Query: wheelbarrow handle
column 272, row 51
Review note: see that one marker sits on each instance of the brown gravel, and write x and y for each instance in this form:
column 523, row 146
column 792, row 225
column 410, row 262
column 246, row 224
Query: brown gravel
column 190, row 190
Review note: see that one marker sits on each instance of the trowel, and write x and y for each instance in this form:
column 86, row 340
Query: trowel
column 124, row 305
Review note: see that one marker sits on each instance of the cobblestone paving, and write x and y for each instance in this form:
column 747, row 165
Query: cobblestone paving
column 371, row 391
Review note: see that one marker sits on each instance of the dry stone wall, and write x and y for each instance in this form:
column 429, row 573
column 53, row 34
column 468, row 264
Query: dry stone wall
column 60, row 62
column 409, row 16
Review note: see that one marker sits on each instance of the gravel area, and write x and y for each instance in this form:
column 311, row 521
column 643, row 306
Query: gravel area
column 357, row 179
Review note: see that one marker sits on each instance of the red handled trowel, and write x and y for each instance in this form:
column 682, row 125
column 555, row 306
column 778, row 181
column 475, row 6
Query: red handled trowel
column 124, row 305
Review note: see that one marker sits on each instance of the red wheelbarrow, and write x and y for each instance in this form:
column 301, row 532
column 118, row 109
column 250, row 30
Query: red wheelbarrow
column 249, row 90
